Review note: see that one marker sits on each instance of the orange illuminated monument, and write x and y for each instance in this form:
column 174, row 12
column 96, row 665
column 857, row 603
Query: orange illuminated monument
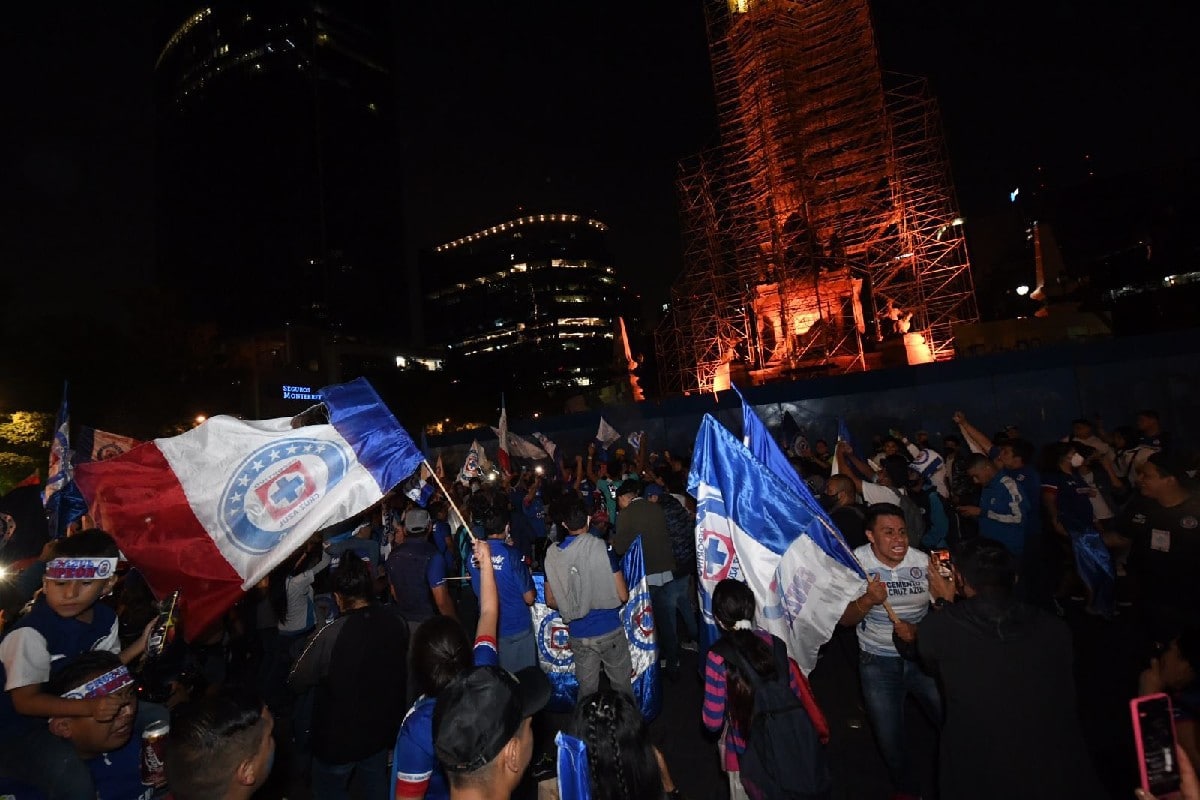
column 827, row 203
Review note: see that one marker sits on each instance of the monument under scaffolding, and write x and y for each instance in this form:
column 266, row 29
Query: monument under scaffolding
column 822, row 233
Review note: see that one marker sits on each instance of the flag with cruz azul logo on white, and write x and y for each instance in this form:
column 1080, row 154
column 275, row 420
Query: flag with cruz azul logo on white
column 213, row 510
column 767, row 531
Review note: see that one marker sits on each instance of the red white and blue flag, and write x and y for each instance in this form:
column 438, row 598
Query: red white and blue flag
column 212, row 511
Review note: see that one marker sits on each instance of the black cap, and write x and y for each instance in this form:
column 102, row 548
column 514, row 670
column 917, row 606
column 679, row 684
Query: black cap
column 630, row 486
column 481, row 710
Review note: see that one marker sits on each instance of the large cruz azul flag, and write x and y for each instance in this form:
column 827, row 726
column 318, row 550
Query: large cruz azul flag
column 755, row 525
column 554, row 648
column 212, row 511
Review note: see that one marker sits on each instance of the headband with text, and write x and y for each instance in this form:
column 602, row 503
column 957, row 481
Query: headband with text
column 81, row 568
column 109, row 683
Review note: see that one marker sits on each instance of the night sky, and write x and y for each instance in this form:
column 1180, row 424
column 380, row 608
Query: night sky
column 567, row 105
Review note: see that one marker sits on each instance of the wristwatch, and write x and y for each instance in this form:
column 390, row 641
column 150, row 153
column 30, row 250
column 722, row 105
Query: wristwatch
column 940, row 603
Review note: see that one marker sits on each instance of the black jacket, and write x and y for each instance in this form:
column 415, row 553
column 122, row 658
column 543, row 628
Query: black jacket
column 356, row 666
column 1011, row 728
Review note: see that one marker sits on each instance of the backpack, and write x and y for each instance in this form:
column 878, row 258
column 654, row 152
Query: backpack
column 784, row 758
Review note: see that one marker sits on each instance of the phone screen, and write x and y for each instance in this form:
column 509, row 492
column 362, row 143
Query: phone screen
column 1156, row 739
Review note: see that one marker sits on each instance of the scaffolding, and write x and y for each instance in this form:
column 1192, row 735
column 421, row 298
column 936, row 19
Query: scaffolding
column 828, row 196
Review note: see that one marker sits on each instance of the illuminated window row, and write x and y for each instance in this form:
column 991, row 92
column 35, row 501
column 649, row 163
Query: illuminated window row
column 182, row 31
column 496, row 278
column 516, row 223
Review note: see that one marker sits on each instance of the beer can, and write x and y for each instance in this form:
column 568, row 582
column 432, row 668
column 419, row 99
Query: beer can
column 154, row 750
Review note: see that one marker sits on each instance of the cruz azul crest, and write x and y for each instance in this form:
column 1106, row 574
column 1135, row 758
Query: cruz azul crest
column 276, row 486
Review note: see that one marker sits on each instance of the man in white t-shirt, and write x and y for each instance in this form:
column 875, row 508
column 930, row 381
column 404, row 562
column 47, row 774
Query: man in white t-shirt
column 898, row 579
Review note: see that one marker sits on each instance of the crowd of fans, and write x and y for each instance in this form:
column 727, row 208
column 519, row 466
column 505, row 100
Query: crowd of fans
column 396, row 656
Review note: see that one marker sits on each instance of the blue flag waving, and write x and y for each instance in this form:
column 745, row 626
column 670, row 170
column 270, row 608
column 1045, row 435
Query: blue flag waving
column 752, row 525
column 574, row 781
column 64, row 502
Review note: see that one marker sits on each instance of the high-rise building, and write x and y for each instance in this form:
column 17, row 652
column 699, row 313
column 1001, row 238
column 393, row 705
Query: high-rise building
column 278, row 161
column 530, row 306
column 822, row 232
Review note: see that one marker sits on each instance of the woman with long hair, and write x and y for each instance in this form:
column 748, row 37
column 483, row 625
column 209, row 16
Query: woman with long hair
column 728, row 693
column 622, row 763
column 440, row 650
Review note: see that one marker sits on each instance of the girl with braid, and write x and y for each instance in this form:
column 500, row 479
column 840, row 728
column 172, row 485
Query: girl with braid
column 622, row 763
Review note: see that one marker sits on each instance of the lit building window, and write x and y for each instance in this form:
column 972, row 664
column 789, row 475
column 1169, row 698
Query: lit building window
column 582, row 322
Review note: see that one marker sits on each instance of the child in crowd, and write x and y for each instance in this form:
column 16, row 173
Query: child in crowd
column 65, row 621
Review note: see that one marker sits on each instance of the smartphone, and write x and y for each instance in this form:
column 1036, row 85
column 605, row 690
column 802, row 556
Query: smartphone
column 943, row 560
column 1154, row 732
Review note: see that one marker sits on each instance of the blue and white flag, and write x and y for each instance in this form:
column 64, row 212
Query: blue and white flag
column 843, row 434
column 753, row 526
column 418, row 487
column 473, row 465
column 606, row 434
column 574, row 776
column 554, row 646
column 547, row 445
column 635, row 440
column 62, row 498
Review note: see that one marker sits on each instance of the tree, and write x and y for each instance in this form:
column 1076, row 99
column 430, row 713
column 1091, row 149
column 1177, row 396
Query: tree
column 24, row 444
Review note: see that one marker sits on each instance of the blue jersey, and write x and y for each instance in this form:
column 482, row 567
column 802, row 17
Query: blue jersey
column 40, row 644
column 414, row 761
column 1072, row 498
column 512, row 582
column 535, row 509
column 118, row 775
column 441, row 532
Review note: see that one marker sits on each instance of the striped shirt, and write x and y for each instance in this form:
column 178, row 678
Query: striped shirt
column 714, row 709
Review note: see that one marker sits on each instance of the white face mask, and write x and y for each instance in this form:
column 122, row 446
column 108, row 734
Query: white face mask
column 1076, row 460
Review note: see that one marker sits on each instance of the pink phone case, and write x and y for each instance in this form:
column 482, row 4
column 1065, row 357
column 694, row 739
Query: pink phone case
column 1137, row 732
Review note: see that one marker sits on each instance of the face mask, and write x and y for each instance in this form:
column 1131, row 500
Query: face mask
column 828, row 501
column 1076, row 460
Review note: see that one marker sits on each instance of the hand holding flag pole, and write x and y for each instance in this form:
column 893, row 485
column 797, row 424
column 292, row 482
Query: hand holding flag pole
column 462, row 521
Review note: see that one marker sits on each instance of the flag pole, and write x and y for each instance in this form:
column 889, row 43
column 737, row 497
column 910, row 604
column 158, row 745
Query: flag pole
column 449, row 498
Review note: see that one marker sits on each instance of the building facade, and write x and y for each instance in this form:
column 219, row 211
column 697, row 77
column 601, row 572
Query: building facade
column 277, row 165
column 530, row 306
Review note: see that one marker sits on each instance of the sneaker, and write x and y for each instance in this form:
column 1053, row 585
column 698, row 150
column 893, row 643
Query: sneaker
column 690, row 645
